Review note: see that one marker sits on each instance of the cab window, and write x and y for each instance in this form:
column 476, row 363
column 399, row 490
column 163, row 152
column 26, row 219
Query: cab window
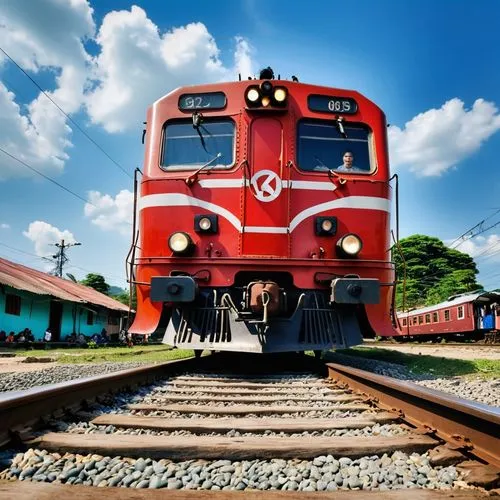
column 321, row 147
column 188, row 148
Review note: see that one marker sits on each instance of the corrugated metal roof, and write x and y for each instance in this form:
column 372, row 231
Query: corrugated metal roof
column 31, row 280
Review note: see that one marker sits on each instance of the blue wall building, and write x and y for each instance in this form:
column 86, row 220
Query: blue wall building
column 36, row 300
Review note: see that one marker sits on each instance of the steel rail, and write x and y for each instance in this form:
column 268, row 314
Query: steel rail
column 470, row 425
column 24, row 408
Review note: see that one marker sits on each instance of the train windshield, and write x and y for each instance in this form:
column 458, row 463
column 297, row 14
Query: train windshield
column 321, row 147
column 211, row 144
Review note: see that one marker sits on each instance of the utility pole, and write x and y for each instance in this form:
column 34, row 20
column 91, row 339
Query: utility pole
column 60, row 256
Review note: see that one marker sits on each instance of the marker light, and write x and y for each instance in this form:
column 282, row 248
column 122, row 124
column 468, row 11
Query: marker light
column 206, row 223
column 180, row 243
column 325, row 226
column 350, row 245
column 280, row 94
column 266, row 101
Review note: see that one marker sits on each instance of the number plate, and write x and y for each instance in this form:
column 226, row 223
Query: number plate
column 332, row 104
column 210, row 100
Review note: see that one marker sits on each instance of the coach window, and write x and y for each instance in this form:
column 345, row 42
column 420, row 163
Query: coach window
column 460, row 314
column 13, row 304
column 321, row 147
column 420, row 320
column 435, row 317
column 427, row 319
column 447, row 315
column 209, row 146
column 404, row 322
column 415, row 319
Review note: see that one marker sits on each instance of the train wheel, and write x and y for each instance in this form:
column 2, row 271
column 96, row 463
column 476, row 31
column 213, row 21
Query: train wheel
column 198, row 353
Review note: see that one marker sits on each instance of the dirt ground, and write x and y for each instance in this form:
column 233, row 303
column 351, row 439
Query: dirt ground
column 16, row 364
column 443, row 351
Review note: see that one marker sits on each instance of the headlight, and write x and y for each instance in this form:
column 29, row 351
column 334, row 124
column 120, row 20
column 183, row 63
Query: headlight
column 279, row 94
column 205, row 224
column 350, row 245
column 180, row 243
column 253, row 95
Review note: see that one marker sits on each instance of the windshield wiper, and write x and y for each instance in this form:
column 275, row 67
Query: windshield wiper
column 321, row 162
column 194, row 176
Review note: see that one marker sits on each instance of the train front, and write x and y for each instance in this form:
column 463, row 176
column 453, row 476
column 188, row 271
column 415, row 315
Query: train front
column 254, row 234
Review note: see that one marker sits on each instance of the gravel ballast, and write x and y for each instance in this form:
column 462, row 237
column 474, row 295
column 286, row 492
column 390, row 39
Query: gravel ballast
column 324, row 473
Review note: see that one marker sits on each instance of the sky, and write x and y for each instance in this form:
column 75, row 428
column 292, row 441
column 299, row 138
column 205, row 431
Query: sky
column 433, row 67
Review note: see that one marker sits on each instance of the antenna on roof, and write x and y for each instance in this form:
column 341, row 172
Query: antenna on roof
column 239, row 77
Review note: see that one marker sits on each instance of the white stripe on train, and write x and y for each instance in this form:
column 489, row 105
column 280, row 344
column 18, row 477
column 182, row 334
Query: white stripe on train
column 183, row 200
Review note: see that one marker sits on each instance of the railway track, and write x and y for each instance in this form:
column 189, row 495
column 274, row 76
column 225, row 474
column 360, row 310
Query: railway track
column 323, row 428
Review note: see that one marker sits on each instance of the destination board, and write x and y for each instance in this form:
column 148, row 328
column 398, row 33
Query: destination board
column 332, row 104
column 209, row 100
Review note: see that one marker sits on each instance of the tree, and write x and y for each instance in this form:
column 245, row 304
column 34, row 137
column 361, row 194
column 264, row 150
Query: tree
column 97, row 282
column 433, row 271
column 124, row 299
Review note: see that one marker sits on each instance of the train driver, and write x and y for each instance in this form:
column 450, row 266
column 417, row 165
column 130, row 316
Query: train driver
column 348, row 165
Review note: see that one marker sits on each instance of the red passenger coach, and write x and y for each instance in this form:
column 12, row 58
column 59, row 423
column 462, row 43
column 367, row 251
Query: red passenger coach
column 471, row 315
column 264, row 218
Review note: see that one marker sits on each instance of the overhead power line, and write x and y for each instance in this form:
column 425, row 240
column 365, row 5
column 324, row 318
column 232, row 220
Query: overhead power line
column 46, row 177
column 474, row 231
column 97, row 145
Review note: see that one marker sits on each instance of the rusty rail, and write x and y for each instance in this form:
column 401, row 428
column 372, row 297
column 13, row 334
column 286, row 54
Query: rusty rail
column 23, row 408
column 471, row 426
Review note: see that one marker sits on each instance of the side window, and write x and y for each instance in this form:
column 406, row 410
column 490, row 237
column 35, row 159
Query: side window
column 447, row 315
column 210, row 146
column 415, row 319
column 13, row 304
column 90, row 318
column 435, row 317
column 427, row 319
column 321, row 147
column 404, row 321
column 460, row 314
column 420, row 320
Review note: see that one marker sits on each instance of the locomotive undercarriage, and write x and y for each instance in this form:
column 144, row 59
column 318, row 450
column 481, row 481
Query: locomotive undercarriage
column 262, row 317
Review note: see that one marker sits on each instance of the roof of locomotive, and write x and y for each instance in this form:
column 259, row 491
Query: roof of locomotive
column 305, row 88
column 455, row 301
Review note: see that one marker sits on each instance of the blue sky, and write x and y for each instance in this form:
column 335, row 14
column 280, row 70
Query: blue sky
column 432, row 67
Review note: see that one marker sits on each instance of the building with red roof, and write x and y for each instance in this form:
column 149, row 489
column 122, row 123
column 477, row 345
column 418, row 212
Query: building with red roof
column 37, row 300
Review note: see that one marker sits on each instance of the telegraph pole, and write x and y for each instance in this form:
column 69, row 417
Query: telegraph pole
column 60, row 256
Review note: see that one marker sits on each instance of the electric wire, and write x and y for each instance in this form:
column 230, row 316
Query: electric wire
column 96, row 144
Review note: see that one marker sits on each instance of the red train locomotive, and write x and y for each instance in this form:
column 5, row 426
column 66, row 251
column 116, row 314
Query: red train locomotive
column 264, row 218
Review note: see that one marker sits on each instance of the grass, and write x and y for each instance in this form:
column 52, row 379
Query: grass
column 139, row 353
column 437, row 366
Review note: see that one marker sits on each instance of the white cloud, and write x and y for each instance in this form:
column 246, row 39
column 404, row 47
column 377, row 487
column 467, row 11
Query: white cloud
column 39, row 35
column 482, row 247
column 138, row 64
column 438, row 139
column 44, row 235
column 111, row 214
column 4, row 226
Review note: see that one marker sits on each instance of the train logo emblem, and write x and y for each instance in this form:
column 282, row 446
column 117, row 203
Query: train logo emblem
column 267, row 189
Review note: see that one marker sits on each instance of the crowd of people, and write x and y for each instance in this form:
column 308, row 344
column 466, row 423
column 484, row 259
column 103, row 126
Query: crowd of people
column 26, row 337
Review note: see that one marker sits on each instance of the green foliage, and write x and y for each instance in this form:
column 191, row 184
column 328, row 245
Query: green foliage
column 433, row 271
column 124, row 299
column 97, row 282
column 91, row 345
column 422, row 364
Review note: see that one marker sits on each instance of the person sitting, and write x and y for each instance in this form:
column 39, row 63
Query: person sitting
column 10, row 338
column 48, row 335
column 348, row 165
